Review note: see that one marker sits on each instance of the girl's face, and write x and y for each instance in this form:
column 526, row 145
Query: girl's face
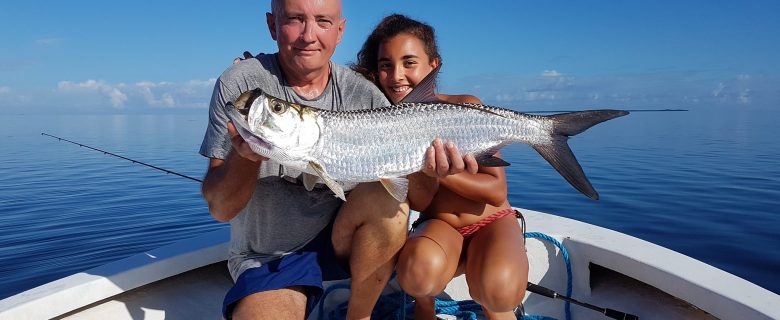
column 402, row 64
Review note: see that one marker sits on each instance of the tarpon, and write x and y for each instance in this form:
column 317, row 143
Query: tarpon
column 386, row 144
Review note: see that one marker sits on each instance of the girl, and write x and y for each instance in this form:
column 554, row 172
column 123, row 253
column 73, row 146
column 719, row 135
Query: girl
column 466, row 223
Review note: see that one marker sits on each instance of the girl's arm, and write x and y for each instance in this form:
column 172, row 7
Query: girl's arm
column 488, row 185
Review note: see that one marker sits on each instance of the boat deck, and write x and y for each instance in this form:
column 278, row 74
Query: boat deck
column 196, row 294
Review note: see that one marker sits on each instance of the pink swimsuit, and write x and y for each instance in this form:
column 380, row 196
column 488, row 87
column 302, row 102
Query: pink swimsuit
column 472, row 228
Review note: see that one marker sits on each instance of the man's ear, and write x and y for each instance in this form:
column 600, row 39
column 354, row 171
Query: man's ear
column 270, row 20
column 342, row 24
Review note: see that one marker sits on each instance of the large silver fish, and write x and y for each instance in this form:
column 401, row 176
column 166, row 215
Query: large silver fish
column 389, row 143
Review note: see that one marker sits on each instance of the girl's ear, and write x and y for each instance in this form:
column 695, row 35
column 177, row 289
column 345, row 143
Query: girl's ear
column 435, row 63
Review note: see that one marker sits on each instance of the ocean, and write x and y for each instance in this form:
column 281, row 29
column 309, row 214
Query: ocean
column 704, row 182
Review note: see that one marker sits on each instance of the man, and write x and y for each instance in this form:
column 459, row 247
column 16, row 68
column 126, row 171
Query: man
column 285, row 241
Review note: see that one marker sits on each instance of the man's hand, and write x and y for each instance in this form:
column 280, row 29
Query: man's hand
column 241, row 146
column 442, row 160
column 247, row 55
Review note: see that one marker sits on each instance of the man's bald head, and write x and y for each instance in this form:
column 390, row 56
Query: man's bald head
column 277, row 6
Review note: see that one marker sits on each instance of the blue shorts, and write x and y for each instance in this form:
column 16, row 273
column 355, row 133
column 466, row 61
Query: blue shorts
column 308, row 267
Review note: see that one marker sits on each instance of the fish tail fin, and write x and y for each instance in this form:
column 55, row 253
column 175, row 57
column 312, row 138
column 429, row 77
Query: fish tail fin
column 558, row 153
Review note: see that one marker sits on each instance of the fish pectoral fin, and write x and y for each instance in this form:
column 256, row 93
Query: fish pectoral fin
column 332, row 184
column 491, row 161
column 397, row 187
column 309, row 180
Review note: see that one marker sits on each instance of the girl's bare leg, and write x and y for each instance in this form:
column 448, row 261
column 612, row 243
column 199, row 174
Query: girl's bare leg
column 497, row 267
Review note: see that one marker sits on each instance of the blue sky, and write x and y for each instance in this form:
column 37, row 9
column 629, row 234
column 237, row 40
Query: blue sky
column 136, row 56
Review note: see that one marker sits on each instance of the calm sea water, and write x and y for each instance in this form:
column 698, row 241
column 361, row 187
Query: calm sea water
column 705, row 183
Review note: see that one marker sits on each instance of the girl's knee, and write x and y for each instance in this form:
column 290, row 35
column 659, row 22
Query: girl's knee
column 499, row 294
column 501, row 300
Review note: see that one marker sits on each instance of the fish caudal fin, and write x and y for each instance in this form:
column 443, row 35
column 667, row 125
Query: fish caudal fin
column 558, row 153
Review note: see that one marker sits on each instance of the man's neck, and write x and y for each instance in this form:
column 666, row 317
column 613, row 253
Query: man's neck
column 310, row 85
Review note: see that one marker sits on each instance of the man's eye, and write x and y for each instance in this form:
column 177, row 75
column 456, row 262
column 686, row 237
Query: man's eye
column 324, row 24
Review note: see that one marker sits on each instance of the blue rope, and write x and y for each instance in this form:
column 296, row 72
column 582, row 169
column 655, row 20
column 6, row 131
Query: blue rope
column 565, row 254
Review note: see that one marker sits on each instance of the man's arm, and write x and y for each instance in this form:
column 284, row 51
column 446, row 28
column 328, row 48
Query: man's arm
column 229, row 183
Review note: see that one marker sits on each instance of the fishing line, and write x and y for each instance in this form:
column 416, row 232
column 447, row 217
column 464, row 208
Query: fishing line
column 629, row 110
column 122, row 157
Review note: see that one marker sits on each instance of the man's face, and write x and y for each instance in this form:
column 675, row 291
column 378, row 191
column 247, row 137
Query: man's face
column 307, row 32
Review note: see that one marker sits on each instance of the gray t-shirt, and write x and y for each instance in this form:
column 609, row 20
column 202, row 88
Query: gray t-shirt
column 281, row 216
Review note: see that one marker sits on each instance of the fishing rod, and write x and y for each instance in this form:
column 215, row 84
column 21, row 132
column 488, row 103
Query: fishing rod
column 614, row 314
column 122, row 157
column 534, row 288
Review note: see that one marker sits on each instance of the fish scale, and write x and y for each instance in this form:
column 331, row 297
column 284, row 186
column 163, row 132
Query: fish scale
column 392, row 141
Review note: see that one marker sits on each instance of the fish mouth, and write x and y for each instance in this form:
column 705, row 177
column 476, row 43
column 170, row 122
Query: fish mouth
column 240, row 123
column 257, row 141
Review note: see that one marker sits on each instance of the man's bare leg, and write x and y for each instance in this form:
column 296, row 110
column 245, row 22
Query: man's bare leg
column 289, row 303
column 369, row 231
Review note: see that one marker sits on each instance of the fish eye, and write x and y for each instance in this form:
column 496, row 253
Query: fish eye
column 278, row 108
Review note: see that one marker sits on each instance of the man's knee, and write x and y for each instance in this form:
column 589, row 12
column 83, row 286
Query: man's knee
column 382, row 219
column 370, row 204
column 372, row 201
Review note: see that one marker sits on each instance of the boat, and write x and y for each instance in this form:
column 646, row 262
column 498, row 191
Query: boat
column 607, row 270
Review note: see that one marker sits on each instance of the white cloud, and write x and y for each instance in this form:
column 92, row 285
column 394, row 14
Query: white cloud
column 145, row 89
column 142, row 94
column 5, row 90
column 718, row 90
column 744, row 97
column 736, row 90
column 116, row 97
column 552, row 89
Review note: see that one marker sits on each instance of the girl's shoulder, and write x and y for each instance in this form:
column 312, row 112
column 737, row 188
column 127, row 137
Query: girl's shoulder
column 458, row 98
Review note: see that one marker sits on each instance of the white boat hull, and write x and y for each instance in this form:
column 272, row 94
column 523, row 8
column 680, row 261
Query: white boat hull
column 188, row 279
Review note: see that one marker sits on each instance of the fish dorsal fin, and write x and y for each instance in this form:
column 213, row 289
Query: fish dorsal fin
column 309, row 180
column 424, row 91
column 397, row 187
column 332, row 184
